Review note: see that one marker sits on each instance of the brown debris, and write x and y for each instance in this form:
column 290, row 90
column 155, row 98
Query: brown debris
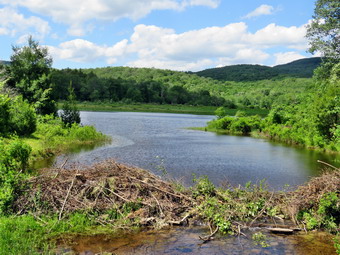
column 308, row 196
column 101, row 187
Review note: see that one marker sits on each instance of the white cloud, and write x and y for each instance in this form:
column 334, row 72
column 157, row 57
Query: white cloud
column 13, row 23
column 152, row 46
column 85, row 51
column 286, row 57
column 272, row 34
column 264, row 9
column 77, row 12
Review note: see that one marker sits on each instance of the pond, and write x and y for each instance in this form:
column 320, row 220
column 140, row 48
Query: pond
column 162, row 143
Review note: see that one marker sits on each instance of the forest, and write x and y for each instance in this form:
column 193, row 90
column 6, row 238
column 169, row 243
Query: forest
column 144, row 85
column 302, row 68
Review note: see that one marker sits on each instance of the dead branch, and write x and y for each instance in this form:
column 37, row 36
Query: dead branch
column 208, row 237
column 67, row 195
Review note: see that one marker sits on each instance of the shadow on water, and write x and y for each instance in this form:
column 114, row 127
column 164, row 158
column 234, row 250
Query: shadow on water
column 182, row 240
column 73, row 150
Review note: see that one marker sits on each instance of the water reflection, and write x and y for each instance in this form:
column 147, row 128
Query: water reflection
column 147, row 140
column 186, row 241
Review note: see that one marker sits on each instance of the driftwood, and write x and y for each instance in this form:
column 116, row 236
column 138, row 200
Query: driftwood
column 286, row 231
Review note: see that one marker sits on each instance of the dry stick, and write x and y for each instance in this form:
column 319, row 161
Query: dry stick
column 261, row 212
column 61, row 167
column 123, row 198
column 67, row 195
column 322, row 162
column 170, row 193
column 160, row 208
column 179, row 222
column 208, row 237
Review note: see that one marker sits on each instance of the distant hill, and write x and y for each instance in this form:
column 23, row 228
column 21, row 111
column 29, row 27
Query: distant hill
column 3, row 62
column 302, row 68
column 299, row 68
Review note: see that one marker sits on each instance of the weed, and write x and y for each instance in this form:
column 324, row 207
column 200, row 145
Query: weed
column 260, row 239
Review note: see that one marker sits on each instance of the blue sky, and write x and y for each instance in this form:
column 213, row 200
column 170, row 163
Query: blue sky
column 169, row 34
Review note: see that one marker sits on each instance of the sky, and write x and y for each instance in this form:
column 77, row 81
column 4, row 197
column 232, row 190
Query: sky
column 183, row 35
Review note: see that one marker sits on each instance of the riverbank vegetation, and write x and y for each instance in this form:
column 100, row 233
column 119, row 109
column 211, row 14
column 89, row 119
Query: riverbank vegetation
column 110, row 197
column 29, row 128
column 161, row 108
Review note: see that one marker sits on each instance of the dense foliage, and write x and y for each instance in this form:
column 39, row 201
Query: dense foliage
column 143, row 85
column 302, row 68
column 29, row 74
column 313, row 122
column 324, row 30
column 17, row 116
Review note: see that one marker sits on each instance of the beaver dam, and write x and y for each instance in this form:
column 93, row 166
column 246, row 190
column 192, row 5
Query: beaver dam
column 124, row 197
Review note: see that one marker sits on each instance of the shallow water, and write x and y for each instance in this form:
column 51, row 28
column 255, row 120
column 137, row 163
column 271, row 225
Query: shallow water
column 158, row 142
column 182, row 240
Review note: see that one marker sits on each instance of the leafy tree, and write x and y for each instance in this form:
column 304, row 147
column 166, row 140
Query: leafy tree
column 29, row 73
column 70, row 112
column 16, row 115
column 323, row 32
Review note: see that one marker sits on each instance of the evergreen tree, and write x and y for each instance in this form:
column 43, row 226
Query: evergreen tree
column 70, row 113
column 29, row 73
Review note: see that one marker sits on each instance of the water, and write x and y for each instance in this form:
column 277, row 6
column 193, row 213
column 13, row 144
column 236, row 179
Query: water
column 157, row 141
column 183, row 240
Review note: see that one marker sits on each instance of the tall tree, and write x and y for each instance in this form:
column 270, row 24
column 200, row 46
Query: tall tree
column 29, row 73
column 323, row 32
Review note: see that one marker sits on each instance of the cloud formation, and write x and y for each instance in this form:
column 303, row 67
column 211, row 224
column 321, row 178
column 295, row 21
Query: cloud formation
column 264, row 9
column 153, row 46
column 13, row 24
column 286, row 57
column 76, row 13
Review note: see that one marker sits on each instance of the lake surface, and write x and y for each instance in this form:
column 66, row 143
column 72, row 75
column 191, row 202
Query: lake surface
column 157, row 141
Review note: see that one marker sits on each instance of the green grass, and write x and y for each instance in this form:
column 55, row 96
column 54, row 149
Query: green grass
column 164, row 108
column 51, row 138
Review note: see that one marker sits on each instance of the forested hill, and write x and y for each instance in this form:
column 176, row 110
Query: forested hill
column 299, row 68
column 3, row 62
column 302, row 68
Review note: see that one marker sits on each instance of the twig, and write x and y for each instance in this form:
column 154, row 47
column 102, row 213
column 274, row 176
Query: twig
column 179, row 222
column 61, row 167
column 261, row 212
column 67, row 195
column 170, row 193
column 160, row 208
column 208, row 237
column 322, row 162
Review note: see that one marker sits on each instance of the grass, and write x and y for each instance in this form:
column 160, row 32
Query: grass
column 51, row 138
column 163, row 108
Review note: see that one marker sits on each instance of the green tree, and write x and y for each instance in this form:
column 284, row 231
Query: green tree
column 29, row 73
column 323, row 32
column 70, row 113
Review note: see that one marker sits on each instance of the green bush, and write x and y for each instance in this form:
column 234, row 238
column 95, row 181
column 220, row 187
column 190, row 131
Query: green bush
column 13, row 159
column 16, row 116
column 23, row 120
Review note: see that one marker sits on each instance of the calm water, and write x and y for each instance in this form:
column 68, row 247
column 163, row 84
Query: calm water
column 186, row 241
column 155, row 141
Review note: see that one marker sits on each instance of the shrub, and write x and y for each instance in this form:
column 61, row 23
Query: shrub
column 13, row 157
column 23, row 120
